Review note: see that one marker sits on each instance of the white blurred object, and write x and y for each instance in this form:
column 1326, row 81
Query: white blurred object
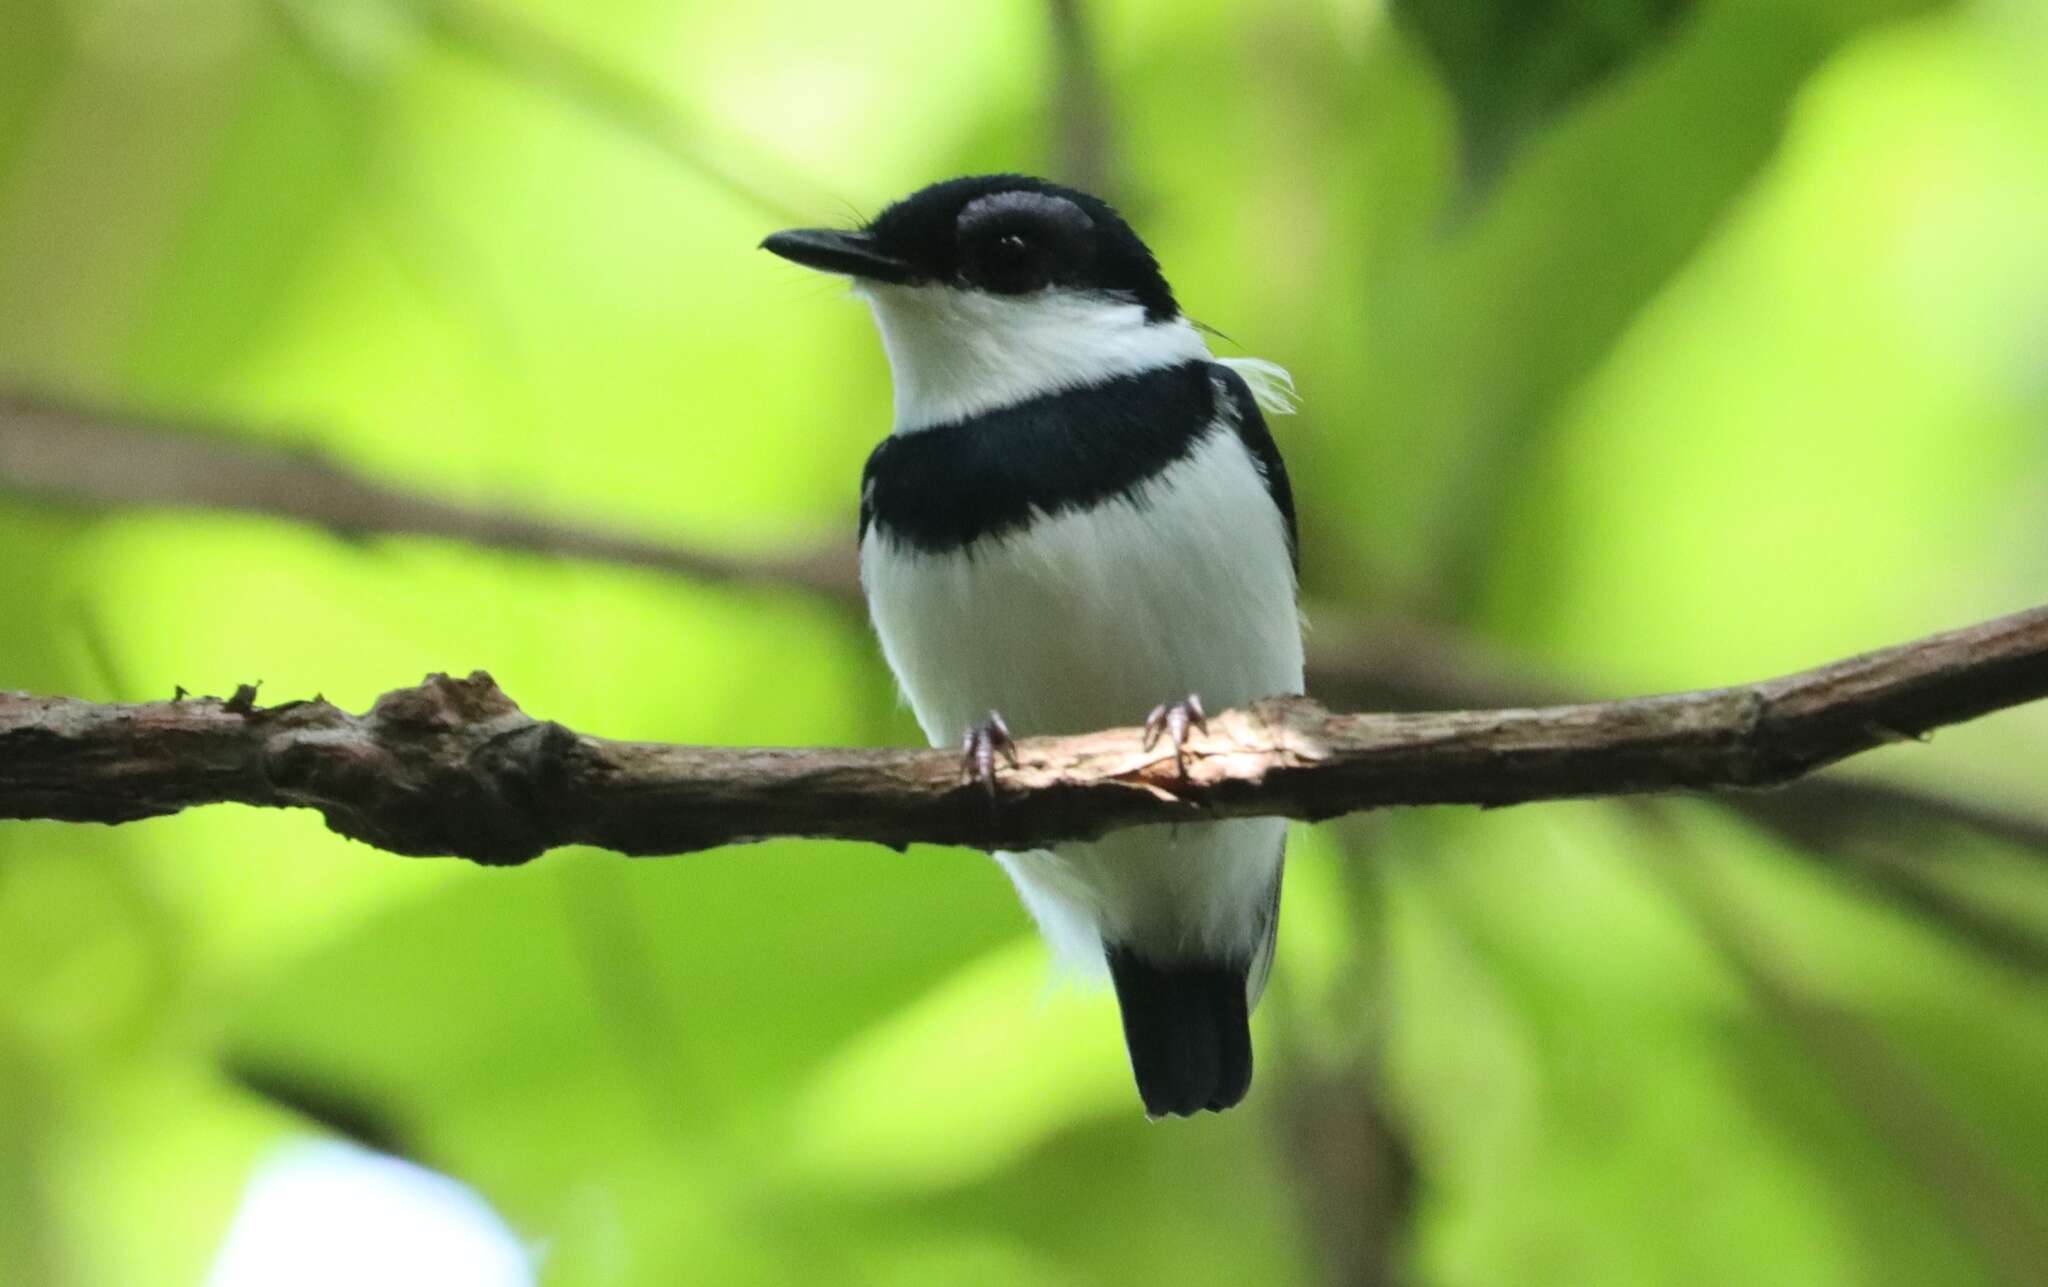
column 326, row 1212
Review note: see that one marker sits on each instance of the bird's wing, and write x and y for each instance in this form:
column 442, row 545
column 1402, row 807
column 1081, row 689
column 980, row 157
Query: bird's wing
column 1262, row 958
column 1258, row 440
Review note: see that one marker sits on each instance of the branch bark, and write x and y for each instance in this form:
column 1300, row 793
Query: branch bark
column 452, row 766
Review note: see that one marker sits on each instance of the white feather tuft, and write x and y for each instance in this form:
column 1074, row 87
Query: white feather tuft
column 1272, row 387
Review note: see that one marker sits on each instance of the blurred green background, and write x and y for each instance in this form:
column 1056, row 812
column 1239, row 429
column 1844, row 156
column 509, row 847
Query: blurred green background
column 1644, row 344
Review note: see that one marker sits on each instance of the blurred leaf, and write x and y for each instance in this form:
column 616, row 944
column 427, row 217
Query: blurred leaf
column 1510, row 66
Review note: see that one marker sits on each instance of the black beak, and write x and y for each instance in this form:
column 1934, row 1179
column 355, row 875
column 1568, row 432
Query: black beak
column 831, row 251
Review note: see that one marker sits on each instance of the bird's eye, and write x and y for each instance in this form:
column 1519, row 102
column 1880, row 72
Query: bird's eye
column 1008, row 263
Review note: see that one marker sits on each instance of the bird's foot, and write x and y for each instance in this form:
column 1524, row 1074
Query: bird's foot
column 1172, row 720
column 978, row 751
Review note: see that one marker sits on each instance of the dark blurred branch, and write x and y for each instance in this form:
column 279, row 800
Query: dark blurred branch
column 1357, row 1176
column 62, row 453
column 454, row 767
column 1355, row 1165
column 1084, row 132
column 1394, row 663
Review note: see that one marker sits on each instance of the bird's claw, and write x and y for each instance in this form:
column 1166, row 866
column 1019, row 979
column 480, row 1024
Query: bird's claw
column 1172, row 720
column 978, row 751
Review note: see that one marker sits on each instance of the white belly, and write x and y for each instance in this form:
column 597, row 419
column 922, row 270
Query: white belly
column 1088, row 620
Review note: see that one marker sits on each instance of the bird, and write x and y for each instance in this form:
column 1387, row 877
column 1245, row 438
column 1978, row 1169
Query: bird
column 1079, row 514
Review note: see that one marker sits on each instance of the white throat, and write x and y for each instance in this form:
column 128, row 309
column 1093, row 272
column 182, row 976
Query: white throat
column 954, row 353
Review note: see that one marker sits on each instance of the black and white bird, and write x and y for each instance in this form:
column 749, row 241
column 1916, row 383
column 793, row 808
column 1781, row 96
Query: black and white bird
column 1081, row 515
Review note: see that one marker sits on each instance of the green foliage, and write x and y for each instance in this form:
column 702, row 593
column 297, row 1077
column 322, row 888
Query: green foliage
column 1509, row 67
column 1667, row 344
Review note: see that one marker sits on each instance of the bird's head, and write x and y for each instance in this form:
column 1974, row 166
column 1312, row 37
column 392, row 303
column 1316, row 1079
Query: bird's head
column 995, row 289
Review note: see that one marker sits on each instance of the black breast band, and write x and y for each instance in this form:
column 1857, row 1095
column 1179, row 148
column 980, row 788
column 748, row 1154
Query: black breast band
column 947, row 487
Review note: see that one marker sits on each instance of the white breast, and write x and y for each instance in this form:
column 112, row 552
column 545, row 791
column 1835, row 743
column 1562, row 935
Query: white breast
column 1088, row 620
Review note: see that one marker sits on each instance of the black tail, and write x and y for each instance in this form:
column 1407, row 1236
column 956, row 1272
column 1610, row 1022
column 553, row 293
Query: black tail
column 1188, row 1031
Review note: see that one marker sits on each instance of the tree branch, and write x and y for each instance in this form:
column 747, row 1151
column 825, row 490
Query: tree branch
column 72, row 455
column 66, row 454
column 452, row 766
column 1083, row 128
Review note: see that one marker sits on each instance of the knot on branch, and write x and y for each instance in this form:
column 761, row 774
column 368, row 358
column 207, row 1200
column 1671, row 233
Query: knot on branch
column 449, row 766
column 1291, row 729
column 444, row 702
